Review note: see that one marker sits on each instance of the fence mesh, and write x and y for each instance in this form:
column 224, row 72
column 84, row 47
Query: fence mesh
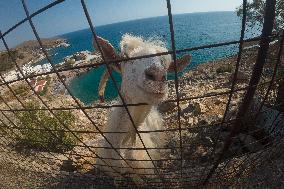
column 218, row 152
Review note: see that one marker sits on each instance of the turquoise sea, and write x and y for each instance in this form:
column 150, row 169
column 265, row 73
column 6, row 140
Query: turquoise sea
column 191, row 30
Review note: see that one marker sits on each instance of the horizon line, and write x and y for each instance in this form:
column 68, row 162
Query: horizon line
column 101, row 25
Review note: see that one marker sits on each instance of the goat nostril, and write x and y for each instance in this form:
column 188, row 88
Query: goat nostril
column 150, row 76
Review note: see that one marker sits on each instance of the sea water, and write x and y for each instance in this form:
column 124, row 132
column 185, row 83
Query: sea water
column 191, row 30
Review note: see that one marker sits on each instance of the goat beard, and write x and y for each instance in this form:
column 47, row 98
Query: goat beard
column 140, row 115
column 130, row 138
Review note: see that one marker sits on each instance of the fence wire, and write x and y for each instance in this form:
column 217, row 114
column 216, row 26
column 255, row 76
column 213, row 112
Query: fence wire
column 221, row 163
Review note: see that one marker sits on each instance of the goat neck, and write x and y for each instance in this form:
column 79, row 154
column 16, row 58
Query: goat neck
column 138, row 113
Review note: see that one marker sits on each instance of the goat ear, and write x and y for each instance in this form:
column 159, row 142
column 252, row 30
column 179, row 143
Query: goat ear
column 107, row 48
column 108, row 51
column 102, row 85
column 181, row 64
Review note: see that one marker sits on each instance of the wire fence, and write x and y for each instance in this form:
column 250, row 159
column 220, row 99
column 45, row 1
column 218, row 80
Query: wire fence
column 202, row 154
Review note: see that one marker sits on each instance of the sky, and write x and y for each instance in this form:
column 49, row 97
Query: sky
column 68, row 16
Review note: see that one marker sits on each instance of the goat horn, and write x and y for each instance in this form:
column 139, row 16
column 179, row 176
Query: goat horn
column 102, row 85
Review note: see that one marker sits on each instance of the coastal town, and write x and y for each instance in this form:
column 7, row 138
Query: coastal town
column 33, row 67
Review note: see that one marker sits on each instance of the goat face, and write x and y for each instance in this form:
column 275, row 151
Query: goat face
column 143, row 80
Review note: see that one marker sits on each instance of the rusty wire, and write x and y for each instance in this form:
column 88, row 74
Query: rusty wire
column 237, row 122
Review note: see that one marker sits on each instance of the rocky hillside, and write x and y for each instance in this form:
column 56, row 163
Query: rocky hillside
column 26, row 52
column 34, row 45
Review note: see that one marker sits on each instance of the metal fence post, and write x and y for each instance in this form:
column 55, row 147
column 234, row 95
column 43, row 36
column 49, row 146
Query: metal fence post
column 256, row 75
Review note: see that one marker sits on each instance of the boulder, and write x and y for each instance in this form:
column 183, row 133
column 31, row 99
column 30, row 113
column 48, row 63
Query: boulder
column 68, row 166
column 190, row 120
column 195, row 120
column 166, row 107
column 219, row 101
column 199, row 108
column 241, row 76
column 187, row 108
column 234, row 103
column 250, row 143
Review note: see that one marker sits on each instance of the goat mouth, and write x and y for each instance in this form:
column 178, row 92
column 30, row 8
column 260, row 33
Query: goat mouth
column 156, row 93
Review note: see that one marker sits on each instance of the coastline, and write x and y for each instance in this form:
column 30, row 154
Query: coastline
column 27, row 55
column 206, row 78
column 85, row 57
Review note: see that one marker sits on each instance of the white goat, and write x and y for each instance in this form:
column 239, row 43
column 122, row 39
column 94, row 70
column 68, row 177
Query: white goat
column 143, row 80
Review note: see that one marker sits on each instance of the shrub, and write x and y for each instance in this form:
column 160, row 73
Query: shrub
column 6, row 62
column 56, row 141
column 2, row 130
column 21, row 90
column 21, row 56
column 224, row 68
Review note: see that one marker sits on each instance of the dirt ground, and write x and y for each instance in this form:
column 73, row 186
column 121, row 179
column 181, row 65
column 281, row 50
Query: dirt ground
column 269, row 174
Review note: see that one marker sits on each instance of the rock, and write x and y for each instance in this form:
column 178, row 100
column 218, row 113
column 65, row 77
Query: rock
column 211, row 119
column 234, row 103
column 241, row 76
column 215, row 91
column 201, row 151
column 219, row 101
column 199, row 108
column 188, row 74
column 166, row 107
column 190, row 120
column 187, row 108
column 183, row 106
column 219, row 116
column 210, row 86
column 182, row 95
column 68, row 166
column 250, row 143
column 202, row 122
column 182, row 119
column 208, row 141
column 195, row 120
